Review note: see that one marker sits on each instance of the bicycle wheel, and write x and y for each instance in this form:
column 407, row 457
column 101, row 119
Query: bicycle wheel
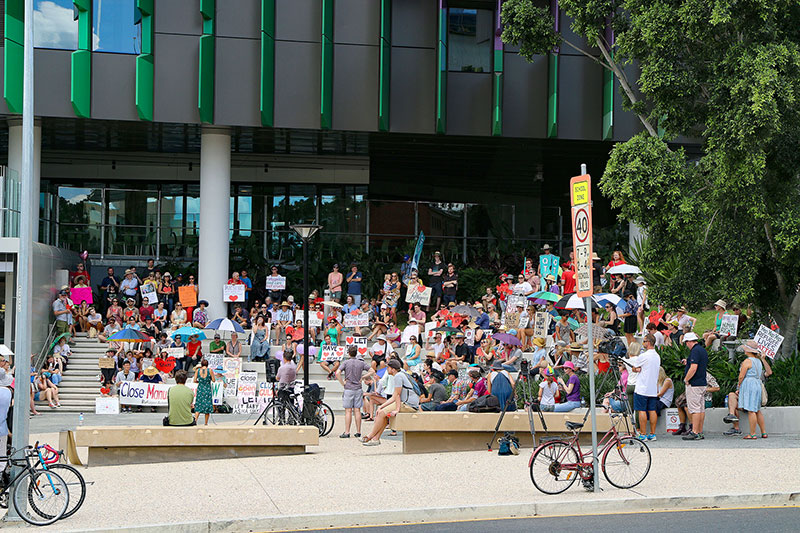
column 626, row 462
column 325, row 412
column 41, row 497
column 75, row 484
column 554, row 467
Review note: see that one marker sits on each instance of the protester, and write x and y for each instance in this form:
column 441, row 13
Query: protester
column 645, row 394
column 349, row 374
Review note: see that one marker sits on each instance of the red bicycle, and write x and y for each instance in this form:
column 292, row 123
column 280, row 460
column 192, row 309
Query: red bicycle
column 555, row 465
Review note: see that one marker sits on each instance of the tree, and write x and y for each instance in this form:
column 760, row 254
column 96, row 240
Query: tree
column 723, row 78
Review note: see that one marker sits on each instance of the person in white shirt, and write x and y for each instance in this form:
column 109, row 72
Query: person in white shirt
column 645, row 394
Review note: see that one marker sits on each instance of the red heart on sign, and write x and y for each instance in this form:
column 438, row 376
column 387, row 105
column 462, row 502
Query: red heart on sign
column 320, row 315
column 362, row 351
column 349, row 340
column 233, row 297
column 165, row 365
column 420, row 288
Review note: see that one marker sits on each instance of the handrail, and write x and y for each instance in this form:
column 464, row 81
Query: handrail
column 43, row 353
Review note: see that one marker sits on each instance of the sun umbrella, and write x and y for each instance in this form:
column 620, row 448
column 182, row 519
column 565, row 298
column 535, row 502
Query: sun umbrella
column 446, row 329
column 624, row 269
column 506, row 338
column 331, row 304
column 465, row 310
column 546, row 295
column 225, row 324
column 130, row 335
column 573, row 301
column 187, row 331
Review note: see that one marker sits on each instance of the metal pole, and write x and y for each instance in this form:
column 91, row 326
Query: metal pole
column 24, row 261
column 305, row 314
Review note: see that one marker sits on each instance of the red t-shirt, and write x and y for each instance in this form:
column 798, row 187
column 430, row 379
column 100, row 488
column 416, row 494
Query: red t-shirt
column 569, row 281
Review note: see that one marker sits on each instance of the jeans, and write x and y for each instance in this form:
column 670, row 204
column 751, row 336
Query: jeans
column 567, row 406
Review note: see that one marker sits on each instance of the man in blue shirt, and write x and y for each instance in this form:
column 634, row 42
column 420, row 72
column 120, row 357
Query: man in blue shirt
column 695, row 379
column 354, row 284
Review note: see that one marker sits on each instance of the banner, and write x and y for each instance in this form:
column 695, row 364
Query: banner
column 314, row 318
column 230, row 372
column 419, row 294
column 332, row 353
column 187, row 296
column 177, row 353
column 106, row 406
column 548, row 265
column 276, row 283
column 540, row 324
column 768, row 341
column 360, row 320
column 417, row 253
column 729, row 325
column 149, row 291
column 233, row 293
column 81, row 294
column 139, row 393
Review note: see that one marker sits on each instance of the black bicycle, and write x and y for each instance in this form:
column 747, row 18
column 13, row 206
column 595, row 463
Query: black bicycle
column 40, row 497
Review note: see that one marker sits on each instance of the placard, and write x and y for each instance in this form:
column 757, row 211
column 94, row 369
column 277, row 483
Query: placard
column 276, row 283
column 419, row 294
column 768, row 341
column 81, row 294
column 177, row 353
column 149, row 291
column 106, row 362
column 673, row 420
column 106, row 406
column 314, row 318
column 512, row 300
column 230, row 372
column 541, row 322
column 332, row 353
column 729, row 326
column 187, row 296
column 233, row 292
column 408, row 333
column 360, row 320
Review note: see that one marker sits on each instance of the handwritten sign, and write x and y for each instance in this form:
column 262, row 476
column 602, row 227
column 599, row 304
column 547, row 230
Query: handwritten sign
column 149, row 291
column 314, row 318
column 768, row 341
column 729, row 325
column 276, row 283
column 105, row 362
column 332, row 353
column 233, row 293
column 177, row 353
column 541, row 321
column 81, row 294
column 419, row 294
column 188, row 296
column 230, row 372
column 360, row 320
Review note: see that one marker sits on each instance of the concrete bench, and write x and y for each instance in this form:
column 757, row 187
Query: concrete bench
column 425, row 432
column 157, row 444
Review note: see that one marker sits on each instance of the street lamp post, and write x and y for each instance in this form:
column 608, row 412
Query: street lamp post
column 305, row 232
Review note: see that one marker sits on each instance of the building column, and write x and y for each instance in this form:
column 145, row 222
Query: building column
column 215, row 192
column 15, row 162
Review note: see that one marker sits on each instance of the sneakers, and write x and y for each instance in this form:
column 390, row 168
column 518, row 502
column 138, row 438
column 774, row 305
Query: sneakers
column 693, row 436
column 730, row 419
column 732, row 431
column 652, row 436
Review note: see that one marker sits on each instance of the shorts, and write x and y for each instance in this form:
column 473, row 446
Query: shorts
column 352, row 399
column 631, row 324
column 336, row 295
column 645, row 403
column 695, row 399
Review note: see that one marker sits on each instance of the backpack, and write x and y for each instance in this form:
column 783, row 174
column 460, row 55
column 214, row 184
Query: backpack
column 485, row 404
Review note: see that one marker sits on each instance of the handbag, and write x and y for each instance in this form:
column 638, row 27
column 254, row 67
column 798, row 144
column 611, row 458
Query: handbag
column 764, row 396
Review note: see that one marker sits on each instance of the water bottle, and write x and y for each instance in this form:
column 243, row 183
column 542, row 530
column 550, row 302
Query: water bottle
column 80, row 419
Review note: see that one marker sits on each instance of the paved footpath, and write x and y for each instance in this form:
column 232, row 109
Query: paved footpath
column 341, row 476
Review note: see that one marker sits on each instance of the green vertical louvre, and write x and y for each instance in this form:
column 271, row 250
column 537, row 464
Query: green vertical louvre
column 385, row 67
column 81, row 64
column 326, row 75
column 497, row 104
column 552, row 95
column 267, row 96
column 13, row 54
column 441, row 67
column 608, row 104
column 144, row 62
column 205, row 78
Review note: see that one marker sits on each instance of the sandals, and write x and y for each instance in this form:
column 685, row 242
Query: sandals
column 750, row 437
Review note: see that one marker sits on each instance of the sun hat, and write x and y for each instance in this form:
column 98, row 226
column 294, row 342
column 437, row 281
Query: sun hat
column 150, row 371
column 569, row 365
column 691, row 336
column 722, row 304
column 751, row 347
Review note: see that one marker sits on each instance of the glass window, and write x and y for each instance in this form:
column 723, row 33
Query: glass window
column 114, row 27
column 54, row 25
column 469, row 40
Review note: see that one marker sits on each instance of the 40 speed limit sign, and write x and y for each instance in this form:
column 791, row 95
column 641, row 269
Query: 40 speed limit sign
column 581, row 199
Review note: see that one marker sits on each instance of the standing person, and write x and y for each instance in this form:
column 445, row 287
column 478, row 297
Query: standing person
column 354, row 279
column 436, row 271
column 645, row 393
column 404, row 399
column 335, row 279
column 449, row 284
column 203, row 402
column 180, row 399
column 694, row 375
column 353, row 396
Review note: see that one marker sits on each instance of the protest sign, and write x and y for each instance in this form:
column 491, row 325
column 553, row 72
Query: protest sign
column 140, row 393
column 106, row 406
column 187, row 296
column 106, row 362
column 513, row 300
column 314, row 318
column 729, row 325
column 332, row 353
column 233, row 293
column 276, row 283
column 230, row 373
column 419, row 294
column 673, row 421
column 360, row 320
column 768, row 341
column 541, row 321
column 177, row 353
column 149, row 291
column 81, row 294
column 410, row 331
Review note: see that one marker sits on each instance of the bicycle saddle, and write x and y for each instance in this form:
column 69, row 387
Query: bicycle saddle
column 572, row 426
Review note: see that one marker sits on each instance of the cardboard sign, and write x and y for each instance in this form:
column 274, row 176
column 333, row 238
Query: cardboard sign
column 673, row 421
column 768, row 341
column 81, row 294
column 419, row 294
column 314, row 318
column 106, row 406
column 358, row 342
column 233, row 293
column 276, row 283
column 187, row 296
column 332, row 353
column 106, row 362
column 541, row 322
column 360, row 320
column 729, row 325
column 149, row 291
column 512, row 300
column 177, row 353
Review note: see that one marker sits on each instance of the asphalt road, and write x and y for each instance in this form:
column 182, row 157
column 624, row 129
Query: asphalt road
column 763, row 520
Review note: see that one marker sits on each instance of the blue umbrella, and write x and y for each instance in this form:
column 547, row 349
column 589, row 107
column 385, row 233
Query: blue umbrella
column 187, row 331
column 225, row 324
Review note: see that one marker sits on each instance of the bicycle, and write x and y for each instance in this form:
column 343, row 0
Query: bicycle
column 555, row 465
column 73, row 478
column 285, row 409
column 40, row 497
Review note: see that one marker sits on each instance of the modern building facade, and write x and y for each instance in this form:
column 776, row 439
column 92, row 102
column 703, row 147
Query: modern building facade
column 201, row 130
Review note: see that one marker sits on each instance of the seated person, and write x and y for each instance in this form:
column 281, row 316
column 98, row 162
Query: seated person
column 180, row 399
